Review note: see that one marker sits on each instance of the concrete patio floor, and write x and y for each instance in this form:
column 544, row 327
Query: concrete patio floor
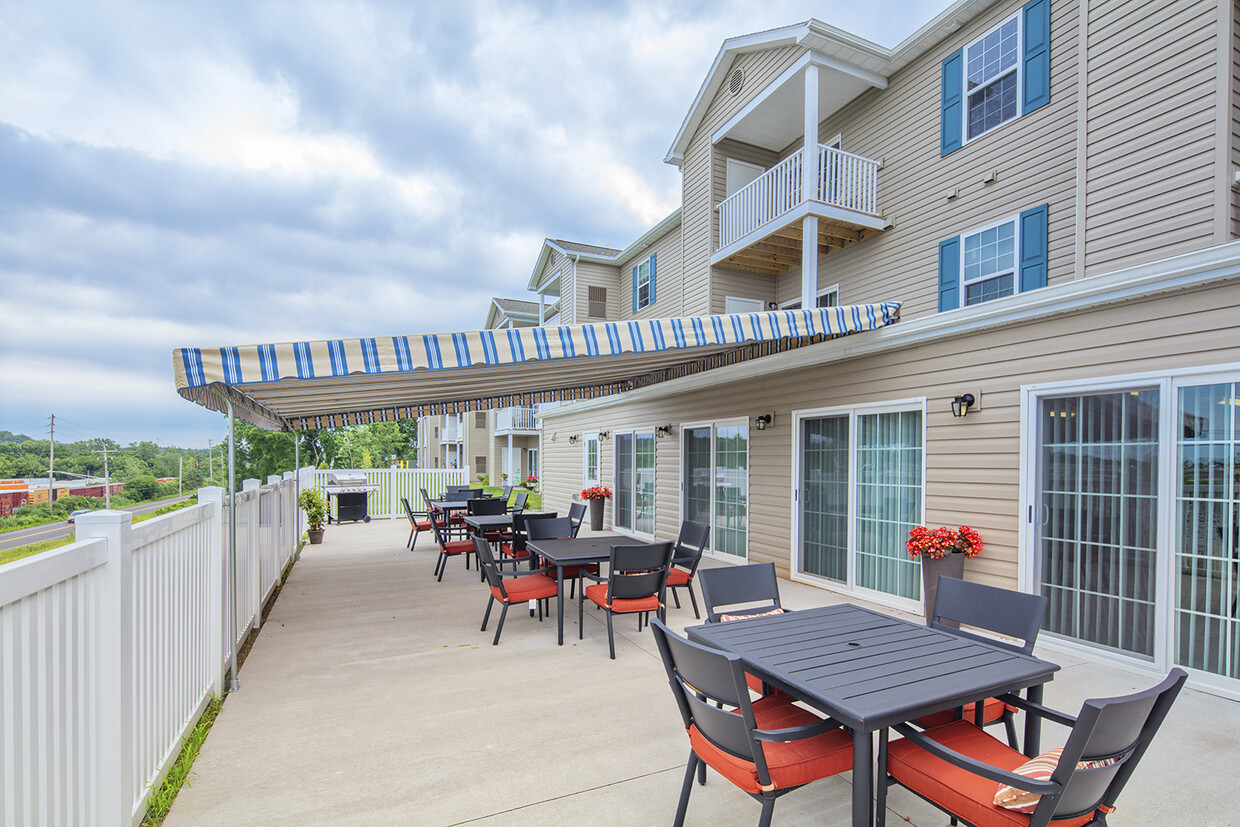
column 371, row 697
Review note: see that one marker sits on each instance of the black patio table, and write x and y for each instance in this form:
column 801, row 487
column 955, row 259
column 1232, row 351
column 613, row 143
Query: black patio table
column 482, row 523
column 869, row 670
column 577, row 551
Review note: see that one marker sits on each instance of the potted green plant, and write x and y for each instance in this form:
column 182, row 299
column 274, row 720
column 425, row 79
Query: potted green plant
column 311, row 502
column 942, row 551
column 596, row 496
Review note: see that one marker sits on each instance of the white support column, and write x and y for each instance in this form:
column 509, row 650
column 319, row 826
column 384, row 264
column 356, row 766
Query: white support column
column 809, row 191
column 510, row 470
column 254, row 560
column 114, row 626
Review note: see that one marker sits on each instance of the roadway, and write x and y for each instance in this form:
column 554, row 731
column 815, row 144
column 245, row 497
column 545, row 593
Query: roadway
column 55, row 531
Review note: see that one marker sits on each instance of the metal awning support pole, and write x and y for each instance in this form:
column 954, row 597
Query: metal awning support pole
column 297, row 486
column 234, row 684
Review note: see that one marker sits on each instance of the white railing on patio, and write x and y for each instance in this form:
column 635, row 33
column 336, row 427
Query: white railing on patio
column 516, row 419
column 394, row 483
column 844, row 180
column 111, row 647
column 451, row 431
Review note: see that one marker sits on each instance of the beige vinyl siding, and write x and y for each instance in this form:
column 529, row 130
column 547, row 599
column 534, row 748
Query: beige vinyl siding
column 1151, row 88
column 972, row 465
column 742, row 285
column 591, row 274
column 697, row 171
column 669, row 295
column 1235, row 118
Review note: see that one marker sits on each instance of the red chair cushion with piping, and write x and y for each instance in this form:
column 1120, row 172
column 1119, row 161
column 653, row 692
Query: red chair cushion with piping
column 423, row 525
column 678, row 577
column 955, row 789
column 993, row 711
column 598, row 593
column 457, row 547
column 529, row 587
column 791, row 763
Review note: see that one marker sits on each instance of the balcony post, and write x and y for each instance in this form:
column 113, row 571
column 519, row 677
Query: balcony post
column 809, row 191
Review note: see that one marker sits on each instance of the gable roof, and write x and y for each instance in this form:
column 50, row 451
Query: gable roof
column 597, row 254
column 517, row 310
column 841, row 50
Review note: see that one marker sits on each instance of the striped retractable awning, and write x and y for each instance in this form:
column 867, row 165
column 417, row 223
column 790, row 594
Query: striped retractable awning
column 319, row 384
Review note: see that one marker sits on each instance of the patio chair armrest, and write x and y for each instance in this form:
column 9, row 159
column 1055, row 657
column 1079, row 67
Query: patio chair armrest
column 976, row 767
column 796, row 733
column 598, row 578
column 1038, row 709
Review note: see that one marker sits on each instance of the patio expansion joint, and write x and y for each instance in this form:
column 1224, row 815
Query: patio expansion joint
column 678, row 768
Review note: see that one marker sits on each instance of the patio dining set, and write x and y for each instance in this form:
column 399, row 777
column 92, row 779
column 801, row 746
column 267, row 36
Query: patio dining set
column 774, row 699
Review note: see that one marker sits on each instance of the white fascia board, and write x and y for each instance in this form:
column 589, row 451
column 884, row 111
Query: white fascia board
column 941, row 27
column 649, row 237
column 731, row 47
column 1198, row 269
column 543, row 255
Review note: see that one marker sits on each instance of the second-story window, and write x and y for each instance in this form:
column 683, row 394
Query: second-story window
column 994, row 261
column 596, row 307
column 1000, row 76
column 480, row 419
column 643, row 284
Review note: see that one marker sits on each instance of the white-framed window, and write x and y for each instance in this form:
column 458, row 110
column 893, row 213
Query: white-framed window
column 992, row 75
column 860, row 487
column 634, row 482
column 589, row 460
column 531, row 462
column 643, row 283
column 830, row 297
column 714, row 464
column 736, row 304
column 988, row 262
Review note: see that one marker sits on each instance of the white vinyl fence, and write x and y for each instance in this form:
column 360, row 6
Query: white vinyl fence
column 111, row 647
column 394, row 483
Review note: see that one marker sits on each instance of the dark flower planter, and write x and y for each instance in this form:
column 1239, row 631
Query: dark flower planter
column 596, row 514
column 316, row 535
column 931, row 570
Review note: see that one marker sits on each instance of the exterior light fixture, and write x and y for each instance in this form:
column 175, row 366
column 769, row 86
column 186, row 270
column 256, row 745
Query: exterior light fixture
column 663, row 430
column 573, row 439
column 604, row 434
column 961, row 404
column 761, row 422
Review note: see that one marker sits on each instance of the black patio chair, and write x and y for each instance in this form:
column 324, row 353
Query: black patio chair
column 685, row 560
column 768, row 747
column 1014, row 614
column 419, row 521
column 956, row 766
column 449, row 547
column 519, row 501
column 635, row 584
column 508, row 587
column 577, row 513
column 514, row 546
column 557, row 528
column 739, row 587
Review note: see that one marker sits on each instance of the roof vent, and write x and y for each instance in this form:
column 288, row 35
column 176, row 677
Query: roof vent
column 737, row 81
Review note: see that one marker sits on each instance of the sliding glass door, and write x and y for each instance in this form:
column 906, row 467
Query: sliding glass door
column 861, row 490
column 715, row 462
column 634, row 494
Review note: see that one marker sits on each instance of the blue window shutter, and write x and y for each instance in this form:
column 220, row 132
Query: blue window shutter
column 634, row 289
column 652, row 278
column 952, row 136
column 1033, row 248
column 949, row 274
column 1037, row 32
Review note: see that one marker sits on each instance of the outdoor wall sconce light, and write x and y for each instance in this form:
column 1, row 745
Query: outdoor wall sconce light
column 573, row 439
column 761, row 422
column 961, row 405
column 663, row 430
column 604, row 434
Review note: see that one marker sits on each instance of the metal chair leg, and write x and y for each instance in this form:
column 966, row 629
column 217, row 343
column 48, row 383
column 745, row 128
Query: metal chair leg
column 611, row 637
column 768, row 810
column 693, row 600
column 486, row 616
column 686, row 788
column 502, row 614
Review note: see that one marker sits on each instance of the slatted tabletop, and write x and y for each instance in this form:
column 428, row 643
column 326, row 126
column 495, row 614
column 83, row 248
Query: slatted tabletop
column 869, row 670
column 574, row 551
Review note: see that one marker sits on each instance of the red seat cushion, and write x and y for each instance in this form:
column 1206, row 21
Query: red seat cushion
column 993, row 711
column 791, row 763
column 678, row 577
column 598, row 593
column 506, row 548
column 529, row 587
column 423, row 525
column 755, row 683
column 955, row 789
column 457, row 547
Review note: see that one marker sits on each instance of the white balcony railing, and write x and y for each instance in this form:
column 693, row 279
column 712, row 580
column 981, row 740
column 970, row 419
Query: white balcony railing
column 844, row 180
column 516, row 419
column 451, row 431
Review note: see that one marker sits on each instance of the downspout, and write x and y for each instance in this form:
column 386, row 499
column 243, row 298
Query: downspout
column 234, row 684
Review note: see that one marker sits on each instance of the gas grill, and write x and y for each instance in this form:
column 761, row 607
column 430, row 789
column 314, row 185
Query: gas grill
column 350, row 491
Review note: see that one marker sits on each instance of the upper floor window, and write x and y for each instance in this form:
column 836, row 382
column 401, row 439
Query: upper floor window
column 480, row 419
column 998, row 77
column 643, row 284
column 994, row 261
column 596, row 306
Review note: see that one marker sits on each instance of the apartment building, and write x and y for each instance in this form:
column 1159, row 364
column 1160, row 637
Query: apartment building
column 1049, row 189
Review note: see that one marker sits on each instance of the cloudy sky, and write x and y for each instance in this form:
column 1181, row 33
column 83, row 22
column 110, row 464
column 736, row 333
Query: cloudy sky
column 204, row 174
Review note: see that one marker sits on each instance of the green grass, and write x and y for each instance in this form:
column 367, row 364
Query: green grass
column 534, row 503
column 178, row 774
column 31, row 549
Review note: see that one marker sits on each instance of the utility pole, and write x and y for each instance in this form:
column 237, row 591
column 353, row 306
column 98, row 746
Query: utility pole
column 107, row 479
column 210, row 463
column 51, row 458
column 180, row 471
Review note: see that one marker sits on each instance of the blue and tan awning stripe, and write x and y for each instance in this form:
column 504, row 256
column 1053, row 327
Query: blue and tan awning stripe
column 315, row 384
